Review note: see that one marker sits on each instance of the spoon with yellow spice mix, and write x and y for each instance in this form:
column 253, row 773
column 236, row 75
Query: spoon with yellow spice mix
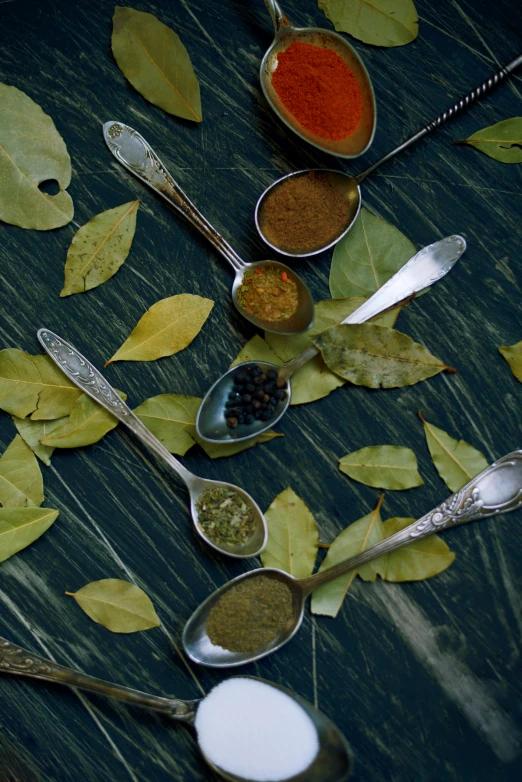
column 267, row 293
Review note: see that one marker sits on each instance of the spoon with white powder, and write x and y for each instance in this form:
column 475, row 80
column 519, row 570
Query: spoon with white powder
column 248, row 729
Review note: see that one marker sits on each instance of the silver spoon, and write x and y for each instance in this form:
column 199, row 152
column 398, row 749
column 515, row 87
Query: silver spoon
column 138, row 157
column 350, row 185
column 332, row 763
column 425, row 268
column 285, row 34
column 498, row 489
column 92, row 382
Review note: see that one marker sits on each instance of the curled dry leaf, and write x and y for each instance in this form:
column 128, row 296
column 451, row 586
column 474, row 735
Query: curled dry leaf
column 457, row 462
column 117, row 605
column 155, row 62
column 19, row 527
column 21, row 483
column 87, row 424
column 31, row 152
column 33, row 432
column 383, row 466
column 502, row 141
column 513, row 356
column 33, row 385
column 377, row 22
column 368, row 256
column 377, row 357
column 99, row 248
column 292, row 536
column 166, row 328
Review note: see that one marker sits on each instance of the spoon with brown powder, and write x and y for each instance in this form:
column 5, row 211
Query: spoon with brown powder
column 259, row 612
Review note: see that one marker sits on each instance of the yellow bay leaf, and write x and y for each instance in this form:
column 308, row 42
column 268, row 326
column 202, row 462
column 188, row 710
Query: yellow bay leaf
column 119, row 606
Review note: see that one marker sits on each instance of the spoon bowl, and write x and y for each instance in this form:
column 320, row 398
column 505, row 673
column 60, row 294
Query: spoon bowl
column 357, row 142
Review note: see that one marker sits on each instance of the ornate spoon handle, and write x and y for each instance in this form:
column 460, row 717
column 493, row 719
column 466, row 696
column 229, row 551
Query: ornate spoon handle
column 457, row 107
column 497, row 489
column 18, row 661
column 138, row 157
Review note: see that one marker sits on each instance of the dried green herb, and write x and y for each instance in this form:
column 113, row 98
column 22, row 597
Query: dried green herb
column 250, row 615
column 224, row 517
column 19, row 527
column 292, row 536
column 21, row 483
column 377, row 22
column 383, row 466
column 501, row 141
column 457, row 462
column 117, row 605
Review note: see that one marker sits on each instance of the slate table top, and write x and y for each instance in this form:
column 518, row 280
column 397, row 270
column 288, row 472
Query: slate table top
column 424, row 678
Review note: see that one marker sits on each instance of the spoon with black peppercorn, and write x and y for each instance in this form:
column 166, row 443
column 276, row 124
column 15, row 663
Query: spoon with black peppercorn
column 496, row 490
column 91, row 381
column 253, row 396
column 138, row 157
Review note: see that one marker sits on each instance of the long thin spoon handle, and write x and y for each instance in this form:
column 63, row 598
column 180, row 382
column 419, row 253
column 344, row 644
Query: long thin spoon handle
column 18, row 661
column 138, row 157
column 498, row 489
column 91, row 381
column 461, row 105
column 425, row 268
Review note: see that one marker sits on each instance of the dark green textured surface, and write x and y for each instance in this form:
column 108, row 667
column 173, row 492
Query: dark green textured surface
column 424, row 679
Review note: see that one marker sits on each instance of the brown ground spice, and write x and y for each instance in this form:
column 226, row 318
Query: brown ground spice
column 268, row 293
column 250, row 614
column 304, row 213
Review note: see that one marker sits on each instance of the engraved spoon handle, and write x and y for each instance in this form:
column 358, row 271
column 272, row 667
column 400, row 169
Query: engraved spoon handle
column 279, row 19
column 138, row 157
column 425, row 268
column 18, row 661
column 497, row 489
column 92, row 382
column 457, row 107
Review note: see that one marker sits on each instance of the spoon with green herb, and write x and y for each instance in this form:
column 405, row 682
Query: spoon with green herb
column 224, row 515
column 259, row 612
column 253, row 396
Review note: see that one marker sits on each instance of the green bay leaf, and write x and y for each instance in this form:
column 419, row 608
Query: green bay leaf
column 377, row 22
column 119, row 606
column 170, row 418
column 166, row 328
column 367, row 257
column 155, row 62
column 456, row 461
column 19, row 527
column 33, row 385
column 513, row 355
column 33, row 432
column 31, row 151
column 377, row 357
column 218, row 451
column 21, row 482
column 501, row 141
column 293, row 537
column 256, row 349
column 87, row 423
column 99, row 248
column 358, row 537
column 383, row 467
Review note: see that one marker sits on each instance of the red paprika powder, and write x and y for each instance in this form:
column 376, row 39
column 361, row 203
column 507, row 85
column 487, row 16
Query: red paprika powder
column 318, row 88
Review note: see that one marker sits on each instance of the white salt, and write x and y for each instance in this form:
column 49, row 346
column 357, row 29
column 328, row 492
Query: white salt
column 253, row 730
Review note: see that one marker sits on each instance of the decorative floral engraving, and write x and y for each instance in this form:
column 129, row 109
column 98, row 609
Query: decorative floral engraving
column 115, row 130
column 15, row 659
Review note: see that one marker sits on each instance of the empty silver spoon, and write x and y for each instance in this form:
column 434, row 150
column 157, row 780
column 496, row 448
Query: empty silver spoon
column 138, row 157
column 425, row 268
column 498, row 489
column 331, row 764
column 285, row 34
column 350, row 185
column 92, row 382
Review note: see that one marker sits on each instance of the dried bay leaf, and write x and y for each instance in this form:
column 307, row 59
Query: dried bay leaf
column 31, row 152
column 368, row 256
column 119, row 606
column 377, row 357
column 359, row 536
column 155, row 62
column 293, row 537
column 377, row 22
column 33, row 385
column 218, row 451
column 87, row 423
column 21, row 482
column 501, row 141
column 383, row 467
column 19, row 527
column 513, row 355
column 33, row 432
column 256, row 349
column 168, row 416
column 99, row 248
column 456, row 461
column 166, row 328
